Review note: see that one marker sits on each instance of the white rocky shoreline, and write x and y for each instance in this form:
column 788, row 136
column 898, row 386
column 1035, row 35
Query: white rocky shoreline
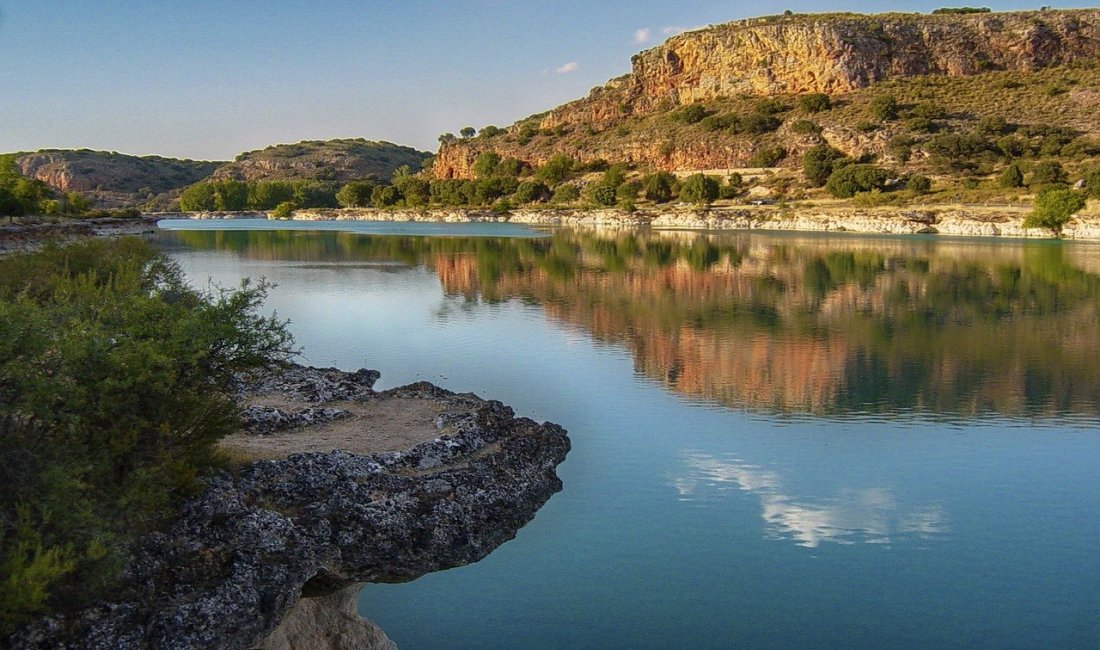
column 967, row 221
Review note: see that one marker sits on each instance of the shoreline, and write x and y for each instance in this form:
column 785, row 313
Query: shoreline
column 952, row 221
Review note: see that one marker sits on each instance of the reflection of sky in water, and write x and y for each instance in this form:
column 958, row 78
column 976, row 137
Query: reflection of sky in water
column 851, row 515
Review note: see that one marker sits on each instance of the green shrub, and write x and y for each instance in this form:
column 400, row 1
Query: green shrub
column 718, row 122
column 846, row 181
column 690, row 114
column 929, row 111
column 815, row 102
column 485, row 165
column 555, row 170
column 659, row 187
column 805, row 127
column 756, row 124
column 566, row 194
column 116, row 382
column 884, row 107
column 531, row 191
column 600, row 195
column 284, row 210
column 699, row 189
column 1054, row 208
column 771, row 106
column 1046, row 172
column 385, row 196
column 1092, row 183
column 918, row 184
column 1012, row 176
column 818, row 162
column 767, row 156
column 920, row 125
column 355, row 194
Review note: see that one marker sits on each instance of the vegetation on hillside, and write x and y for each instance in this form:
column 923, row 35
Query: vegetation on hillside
column 115, row 384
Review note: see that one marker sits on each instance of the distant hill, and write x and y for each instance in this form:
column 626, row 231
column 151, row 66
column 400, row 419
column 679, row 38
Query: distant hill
column 325, row 160
column 731, row 95
column 84, row 170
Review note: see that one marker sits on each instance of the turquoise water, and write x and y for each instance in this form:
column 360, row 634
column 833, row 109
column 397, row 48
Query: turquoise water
column 778, row 441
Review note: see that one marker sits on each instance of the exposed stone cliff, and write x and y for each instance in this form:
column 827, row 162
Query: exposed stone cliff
column 83, row 170
column 785, row 56
column 244, row 554
column 329, row 160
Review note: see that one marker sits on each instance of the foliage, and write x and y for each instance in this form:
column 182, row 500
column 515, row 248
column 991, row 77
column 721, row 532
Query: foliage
column 699, row 189
column 600, row 194
column 884, row 107
column 1046, row 172
column 961, row 10
column 566, row 194
column 815, row 102
column 467, row 132
column 918, row 184
column 1054, row 208
column 767, row 156
column 385, row 196
column 234, row 195
column 486, row 163
column 846, row 181
column 1012, row 176
column 284, row 210
column 659, row 187
column 532, row 191
column 818, row 162
column 491, row 131
column 115, row 384
column 690, row 114
column 1092, row 183
column 555, row 170
column 805, row 127
column 355, row 194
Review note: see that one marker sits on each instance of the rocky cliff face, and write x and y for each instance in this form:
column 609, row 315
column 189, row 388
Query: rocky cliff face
column 84, row 170
column 243, row 554
column 834, row 54
column 783, row 56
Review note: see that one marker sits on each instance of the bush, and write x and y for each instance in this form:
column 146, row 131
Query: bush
column 1012, row 176
column 385, row 196
column 628, row 191
column 929, row 111
column 846, row 181
column 566, row 194
column 818, row 162
column 699, row 189
column 815, row 102
column 767, row 156
column 756, row 124
column 920, row 125
column 531, row 191
column 805, row 127
column 555, row 170
column 1054, row 208
column 690, row 114
column 718, row 122
column 355, row 194
column 884, row 107
column 769, row 107
column 485, row 165
column 117, row 381
column 1047, row 172
column 491, row 131
column 284, row 210
column 659, row 187
column 1092, row 183
column 600, row 195
column 918, row 184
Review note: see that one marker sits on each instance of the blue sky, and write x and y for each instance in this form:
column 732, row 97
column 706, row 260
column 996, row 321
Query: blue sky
column 211, row 78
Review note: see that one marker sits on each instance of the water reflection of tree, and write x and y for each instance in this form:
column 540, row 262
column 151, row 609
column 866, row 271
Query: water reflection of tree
column 821, row 325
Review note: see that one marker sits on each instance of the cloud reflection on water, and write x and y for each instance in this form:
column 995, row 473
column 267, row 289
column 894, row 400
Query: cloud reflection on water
column 849, row 516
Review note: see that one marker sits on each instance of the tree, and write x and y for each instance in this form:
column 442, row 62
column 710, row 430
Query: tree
column 600, row 194
column 566, row 194
column 197, row 197
column 849, row 180
column 614, row 176
column 355, row 194
column 284, row 210
column 1047, row 172
column 230, row 195
column 447, row 138
column 485, row 165
column 659, row 187
column 918, row 184
column 385, row 196
column 9, row 205
column 467, row 132
column 490, row 131
column 415, row 190
column 690, row 114
column 1092, row 183
column 884, row 107
column 1054, row 208
column 815, row 102
column 77, row 203
column 532, row 191
column 1012, row 176
column 555, row 170
column 818, row 162
column 266, row 195
column 699, row 189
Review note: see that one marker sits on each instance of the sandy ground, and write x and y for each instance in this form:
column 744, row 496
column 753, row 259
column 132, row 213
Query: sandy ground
column 384, row 422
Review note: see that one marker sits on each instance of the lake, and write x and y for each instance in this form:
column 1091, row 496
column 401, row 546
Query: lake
column 779, row 441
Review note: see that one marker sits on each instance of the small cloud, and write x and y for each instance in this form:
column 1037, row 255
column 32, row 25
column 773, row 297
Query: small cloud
column 643, row 35
column 568, row 67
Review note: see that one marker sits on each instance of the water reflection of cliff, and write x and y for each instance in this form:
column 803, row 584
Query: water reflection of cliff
column 820, row 325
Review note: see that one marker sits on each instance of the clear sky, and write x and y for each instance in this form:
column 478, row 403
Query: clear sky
column 209, row 79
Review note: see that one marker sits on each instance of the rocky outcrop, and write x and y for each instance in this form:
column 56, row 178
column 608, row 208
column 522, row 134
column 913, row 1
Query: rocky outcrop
column 325, row 160
column 31, row 234
column 977, row 222
column 833, row 53
column 84, row 170
column 247, row 551
column 329, row 622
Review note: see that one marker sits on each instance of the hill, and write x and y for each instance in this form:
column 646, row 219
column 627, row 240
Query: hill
column 323, row 160
column 893, row 87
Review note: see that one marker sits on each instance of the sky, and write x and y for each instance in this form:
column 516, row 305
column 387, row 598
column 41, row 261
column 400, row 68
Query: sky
column 208, row 79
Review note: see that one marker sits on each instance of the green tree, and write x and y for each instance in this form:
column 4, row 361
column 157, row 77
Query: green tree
column 198, row 197
column 849, row 180
column 699, row 189
column 1047, row 172
column 659, row 187
column 566, row 194
column 230, row 195
column 284, row 210
column 600, row 195
column 1092, row 183
column 486, row 163
column 415, row 191
column 884, row 107
column 614, row 176
column 1012, row 176
column 385, row 196
column 818, row 162
column 555, row 170
column 9, row 205
column 355, row 194
column 690, row 114
column 1054, row 208
column 815, row 102
column 532, row 191
column 490, row 131
column 467, row 131
column 918, row 184
column 265, row 195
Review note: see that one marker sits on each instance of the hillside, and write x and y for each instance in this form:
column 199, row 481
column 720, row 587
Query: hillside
column 104, row 174
column 732, row 96
column 324, row 160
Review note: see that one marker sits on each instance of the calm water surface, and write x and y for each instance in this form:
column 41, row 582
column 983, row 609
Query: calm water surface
column 778, row 441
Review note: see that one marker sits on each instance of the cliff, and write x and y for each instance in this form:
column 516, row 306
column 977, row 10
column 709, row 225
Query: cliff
column 283, row 543
column 327, row 160
column 728, row 67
